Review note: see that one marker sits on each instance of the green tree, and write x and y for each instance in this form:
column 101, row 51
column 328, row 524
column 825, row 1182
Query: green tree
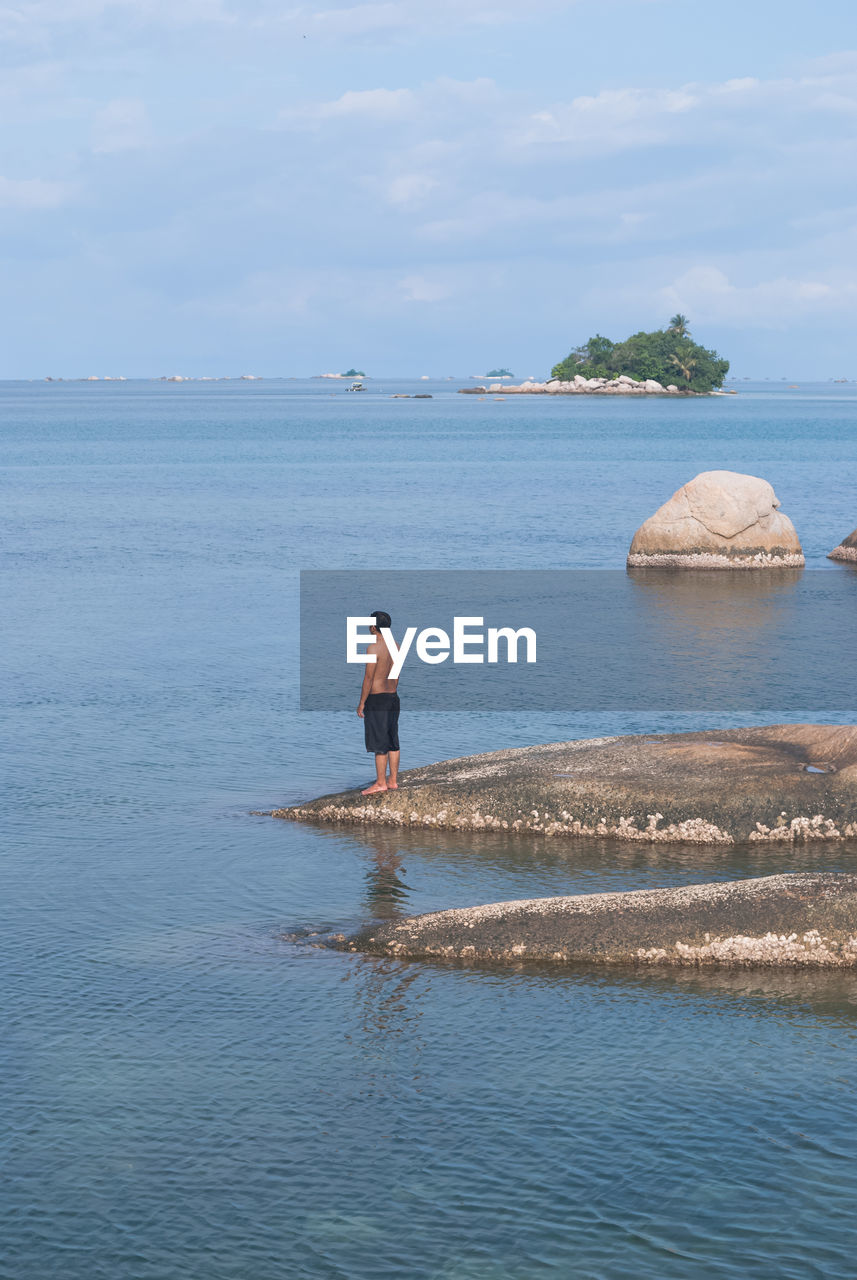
column 665, row 355
column 680, row 325
column 592, row 360
column 685, row 363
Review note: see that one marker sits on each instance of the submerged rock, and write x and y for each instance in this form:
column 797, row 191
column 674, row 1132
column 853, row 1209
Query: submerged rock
column 804, row 921
column 718, row 520
column 847, row 549
column 780, row 783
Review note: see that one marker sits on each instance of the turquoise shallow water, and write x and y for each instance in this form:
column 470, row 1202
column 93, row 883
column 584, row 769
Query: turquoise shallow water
column 188, row 1088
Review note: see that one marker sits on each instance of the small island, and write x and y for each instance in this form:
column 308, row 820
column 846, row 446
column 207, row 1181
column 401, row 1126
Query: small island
column 664, row 362
column 353, row 373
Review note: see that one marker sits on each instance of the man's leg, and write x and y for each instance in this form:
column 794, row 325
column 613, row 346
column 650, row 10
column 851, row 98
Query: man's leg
column 380, row 783
column 392, row 781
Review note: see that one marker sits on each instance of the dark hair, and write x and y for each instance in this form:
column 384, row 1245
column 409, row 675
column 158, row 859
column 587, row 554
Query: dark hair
column 382, row 619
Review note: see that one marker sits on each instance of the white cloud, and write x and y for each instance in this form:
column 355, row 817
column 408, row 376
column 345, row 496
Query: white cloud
column 268, row 297
column 707, row 293
column 421, row 288
column 121, row 125
column 358, row 20
column 420, row 16
column 618, row 119
column 25, row 18
column 381, row 103
column 34, row 19
column 622, row 117
column 431, row 104
column 33, row 193
column 409, row 190
column 366, row 105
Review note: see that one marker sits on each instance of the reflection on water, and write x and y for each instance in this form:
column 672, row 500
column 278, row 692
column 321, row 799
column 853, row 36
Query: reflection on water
column 386, row 892
column 385, row 984
column 726, row 618
column 693, row 595
column 746, row 639
column 389, row 996
column 831, row 996
column 460, row 868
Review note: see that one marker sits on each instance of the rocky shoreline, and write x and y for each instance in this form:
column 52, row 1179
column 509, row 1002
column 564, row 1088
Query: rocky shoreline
column 779, row 784
column 804, row 921
column 622, row 386
column 847, row 549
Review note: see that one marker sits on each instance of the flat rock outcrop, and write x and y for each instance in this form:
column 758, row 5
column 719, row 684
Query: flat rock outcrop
column 718, row 520
column 847, row 549
column 779, row 783
column 793, row 921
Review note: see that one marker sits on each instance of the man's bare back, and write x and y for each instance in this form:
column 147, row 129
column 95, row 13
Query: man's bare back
column 381, row 682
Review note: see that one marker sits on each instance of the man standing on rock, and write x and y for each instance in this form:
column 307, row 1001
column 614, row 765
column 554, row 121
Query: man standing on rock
column 379, row 709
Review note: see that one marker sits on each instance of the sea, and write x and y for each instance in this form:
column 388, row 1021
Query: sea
column 191, row 1087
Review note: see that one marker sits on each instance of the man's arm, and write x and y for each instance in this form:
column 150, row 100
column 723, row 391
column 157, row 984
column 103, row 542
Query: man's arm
column 366, row 688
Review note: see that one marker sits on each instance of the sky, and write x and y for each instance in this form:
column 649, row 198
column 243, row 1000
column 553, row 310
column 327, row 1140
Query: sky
column 211, row 187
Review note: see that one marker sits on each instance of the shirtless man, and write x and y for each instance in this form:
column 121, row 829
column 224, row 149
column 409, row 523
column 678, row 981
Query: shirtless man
column 379, row 710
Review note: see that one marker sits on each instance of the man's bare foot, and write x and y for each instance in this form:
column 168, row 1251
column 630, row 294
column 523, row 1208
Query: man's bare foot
column 392, row 786
column 374, row 790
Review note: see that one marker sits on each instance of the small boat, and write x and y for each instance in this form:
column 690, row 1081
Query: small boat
column 356, row 386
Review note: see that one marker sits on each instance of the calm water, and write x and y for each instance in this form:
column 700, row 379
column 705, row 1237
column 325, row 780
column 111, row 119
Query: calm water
column 189, row 1089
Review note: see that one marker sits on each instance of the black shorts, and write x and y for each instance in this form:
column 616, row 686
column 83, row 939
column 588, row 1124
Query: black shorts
column 381, row 722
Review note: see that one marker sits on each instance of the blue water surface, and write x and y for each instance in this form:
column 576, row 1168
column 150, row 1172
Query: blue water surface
column 190, row 1088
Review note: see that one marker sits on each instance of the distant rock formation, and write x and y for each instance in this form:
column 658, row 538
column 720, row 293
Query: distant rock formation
column 847, row 549
column 622, row 386
column 719, row 520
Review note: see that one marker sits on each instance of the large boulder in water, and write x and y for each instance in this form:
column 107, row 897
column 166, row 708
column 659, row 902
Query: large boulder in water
column 847, row 549
column 719, row 520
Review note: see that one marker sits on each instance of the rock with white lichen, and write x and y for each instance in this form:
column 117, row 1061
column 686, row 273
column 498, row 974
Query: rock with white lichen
column 780, row 784
column 804, row 921
column 579, row 385
column 847, row 549
column 718, row 520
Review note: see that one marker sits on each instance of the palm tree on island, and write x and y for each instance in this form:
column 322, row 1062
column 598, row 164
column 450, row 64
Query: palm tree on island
column 680, row 325
column 685, row 364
